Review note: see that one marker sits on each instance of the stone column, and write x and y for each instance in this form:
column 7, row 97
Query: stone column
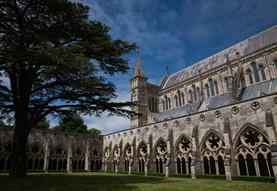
column 130, row 166
column 69, row 158
column 146, row 167
column 87, row 157
column 46, row 158
column 116, row 166
column 227, row 139
column 193, row 160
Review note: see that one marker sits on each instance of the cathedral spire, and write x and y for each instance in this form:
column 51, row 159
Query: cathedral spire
column 138, row 67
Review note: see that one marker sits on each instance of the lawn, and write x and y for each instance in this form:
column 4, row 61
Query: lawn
column 121, row 182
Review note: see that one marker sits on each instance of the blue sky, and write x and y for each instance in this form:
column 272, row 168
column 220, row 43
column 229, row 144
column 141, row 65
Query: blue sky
column 175, row 33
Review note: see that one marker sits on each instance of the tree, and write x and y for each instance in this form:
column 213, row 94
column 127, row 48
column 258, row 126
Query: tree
column 43, row 124
column 56, row 60
column 72, row 123
column 94, row 131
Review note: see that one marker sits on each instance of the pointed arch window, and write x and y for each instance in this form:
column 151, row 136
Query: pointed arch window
column 249, row 74
column 213, row 154
column 194, row 92
column 190, row 96
column 262, row 72
column 176, row 100
column 183, row 98
column 253, row 154
column 169, row 103
column 226, row 83
column 183, row 154
column 163, row 103
column 211, row 86
column 255, row 71
column 275, row 63
column 216, row 87
column 179, row 98
column 207, row 90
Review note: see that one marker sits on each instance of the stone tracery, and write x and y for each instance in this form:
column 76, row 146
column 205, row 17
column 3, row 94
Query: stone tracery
column 253, row 153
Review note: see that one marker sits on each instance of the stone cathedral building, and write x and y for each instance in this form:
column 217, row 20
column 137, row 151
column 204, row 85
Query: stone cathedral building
column 217, row 116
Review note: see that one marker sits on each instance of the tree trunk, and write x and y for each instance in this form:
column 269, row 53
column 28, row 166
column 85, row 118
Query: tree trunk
column 18, row 154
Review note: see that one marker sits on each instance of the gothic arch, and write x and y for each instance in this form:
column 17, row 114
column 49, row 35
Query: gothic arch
column 78, row 158
column 213, row 153
column 182, row 154
column 160, row 154
column 142, row 155
column 252, row 152
column 35, row 155
column 57, row 157
column 128, row 156
column 5, row 151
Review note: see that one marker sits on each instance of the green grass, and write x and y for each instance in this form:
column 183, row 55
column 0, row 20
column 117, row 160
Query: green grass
column 81, row 181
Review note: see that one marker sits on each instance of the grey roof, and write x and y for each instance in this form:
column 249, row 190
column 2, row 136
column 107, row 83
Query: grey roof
column 256, row 90
column 245, row 47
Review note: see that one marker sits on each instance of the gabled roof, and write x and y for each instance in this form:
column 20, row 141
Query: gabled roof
column 252, row 44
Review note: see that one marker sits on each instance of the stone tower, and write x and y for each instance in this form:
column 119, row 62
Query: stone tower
column 139, row 95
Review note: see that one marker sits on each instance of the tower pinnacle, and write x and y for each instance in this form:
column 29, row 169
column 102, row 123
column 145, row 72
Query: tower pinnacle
column 138, row 67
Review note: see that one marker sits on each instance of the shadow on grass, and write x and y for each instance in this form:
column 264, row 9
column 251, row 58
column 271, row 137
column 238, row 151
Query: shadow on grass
column 76, row 182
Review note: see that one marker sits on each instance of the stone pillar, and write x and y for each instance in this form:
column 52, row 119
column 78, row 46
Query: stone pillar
column 193, row 160
column 227, row 159
column 130, row 166
column 116, row 166
column 87, row 157
column 146, row 167
column 69, row 158
column 46, row 158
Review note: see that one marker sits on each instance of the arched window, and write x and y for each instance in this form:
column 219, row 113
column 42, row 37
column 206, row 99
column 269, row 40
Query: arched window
column 262, row 72
column 169, row 103
column 183, row 98
column 226, row 83
column 183, row 154
column 206, row 166
column 255, row 71
column 183, row 160
column 220, row 165
column 211, row 86
column 216, row 87
column 250, row 78
column 252, row 146
column 194, row 92
column 176, row 100
column 166, row 102
column 207, row 90
column 163, row 103
column 179, row 98
column 160, row 154
column 141, row 153
column 198, row 93
column 213, row 153
column 190, row 96
column 178, row 163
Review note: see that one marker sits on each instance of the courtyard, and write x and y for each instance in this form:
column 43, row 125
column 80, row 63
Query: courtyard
column 84, row 181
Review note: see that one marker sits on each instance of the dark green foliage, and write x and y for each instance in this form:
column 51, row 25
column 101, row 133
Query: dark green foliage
column 71, row 123
column 210, row 176
column 94, row 131
column 254, row 178
column 43, row 124
column 55, row 58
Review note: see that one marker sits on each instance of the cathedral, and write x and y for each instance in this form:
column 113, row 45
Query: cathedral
column 217, row 116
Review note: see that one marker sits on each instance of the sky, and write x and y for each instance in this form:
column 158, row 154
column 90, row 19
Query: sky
column 175, row 33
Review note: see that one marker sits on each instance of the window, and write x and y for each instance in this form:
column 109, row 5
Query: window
column 255, row 71
column 216, row 87
column 166, row 102
column 179, row 97
column 183, row 98
column 249, row 74
column 226, row 83
column 194, row 92
column 262, row 72
column 207, row 90
column 176, row 100
column 163, row 105
column 190, row 96
column 169, row 103
column 211, row 86
column 275, row 63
